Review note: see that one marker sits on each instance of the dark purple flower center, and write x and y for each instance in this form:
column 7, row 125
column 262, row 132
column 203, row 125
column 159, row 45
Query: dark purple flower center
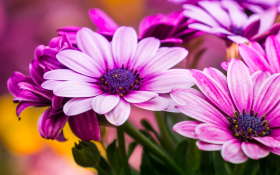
column 120, row 81
column 248, row 125
column 236, row 30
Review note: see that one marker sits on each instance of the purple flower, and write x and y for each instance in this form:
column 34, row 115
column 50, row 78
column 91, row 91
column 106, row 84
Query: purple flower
column 170, row 29
column 107, row 77
column 257, row 59
column 28, row 92
column 256, row 6
column 237, row 114
column 228, row 21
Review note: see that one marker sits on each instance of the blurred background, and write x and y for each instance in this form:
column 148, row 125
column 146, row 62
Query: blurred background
column 24, row 24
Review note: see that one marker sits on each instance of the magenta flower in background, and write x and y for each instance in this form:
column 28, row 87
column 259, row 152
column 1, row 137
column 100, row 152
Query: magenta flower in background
column 170, row 29
column 108, row 77
column 28, row 92
column 228, row 21
column 257, row 59
column 237, row 114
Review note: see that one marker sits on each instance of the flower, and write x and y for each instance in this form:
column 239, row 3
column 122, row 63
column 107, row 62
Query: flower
column 108, row 77
column 237, row 114
column 252, row 5
column 28, row 92
column 257, row 59
column 228, row 21
column 170, row 29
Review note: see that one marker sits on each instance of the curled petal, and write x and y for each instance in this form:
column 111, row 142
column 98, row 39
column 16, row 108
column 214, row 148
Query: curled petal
column 119, row 114
column 255, row 150
column 104, row 103
column 232, row 152
column 186, row 128
column 77, row 106
column 155, row 104
column 208, row 146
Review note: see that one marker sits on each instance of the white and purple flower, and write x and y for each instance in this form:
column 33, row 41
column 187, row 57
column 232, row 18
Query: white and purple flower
column 237, row 114
column 107, row 77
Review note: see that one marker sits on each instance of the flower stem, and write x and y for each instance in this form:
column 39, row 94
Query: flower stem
column 121, row 142
column 237, row 169
column 141, row 139
column 101, row 171
column 166, row 140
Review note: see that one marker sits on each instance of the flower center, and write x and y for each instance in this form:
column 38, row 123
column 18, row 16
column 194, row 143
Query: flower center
column 236, row 31
column 120, row 81
column 248, row 125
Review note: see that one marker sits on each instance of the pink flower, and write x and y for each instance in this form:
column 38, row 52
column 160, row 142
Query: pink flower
column 228, row 21
column 107, row 77
column 237, row 114
column 257, row 59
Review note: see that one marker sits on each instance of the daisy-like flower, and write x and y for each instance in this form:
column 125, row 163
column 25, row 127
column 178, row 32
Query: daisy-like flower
column 228, row 21
column 108, row 77
column 237, row 114
column 257, row 59
column 170, row 29
column 28, row 92
column 256, row 6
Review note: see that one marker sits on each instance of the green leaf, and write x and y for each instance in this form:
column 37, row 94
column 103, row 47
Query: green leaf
column 149, row 127
column 146, row 167
column 105, row 166
column 158, row 164
column 149, row 136
column 111, row 149
column 170, row 120
column 267, row 166
column 131, row 148
column 251, row 167
column 118, row 161
column 180, row 155
column 218, row 162
column 206, row 163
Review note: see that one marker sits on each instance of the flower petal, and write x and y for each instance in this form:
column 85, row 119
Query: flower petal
column 272, row 48
column 213, row 134
column 257, row 79
column 26, row 104
column 119, row 114
column 238, row 39
column 267, row 19
column 172, row 104
column 85, row 126
column 76, row 89
column 139, row 96
column 183, row 95
column 254, row 150
column 80, row 62
column 240, row 85
column 67, row 74
column 104, row 103
column 124, row 45
column 232, row 152
column 77, row 106
column 268, row 141
column 186, row 128
column 155, row 104
column 208, row 146
column 50, row 84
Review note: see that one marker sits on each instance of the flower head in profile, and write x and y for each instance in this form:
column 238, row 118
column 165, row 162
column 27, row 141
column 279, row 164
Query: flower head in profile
column 230, row 22
column 108, row 77
column 237, row 114
column 27, row 92
column 170, row 29
column 258, row 59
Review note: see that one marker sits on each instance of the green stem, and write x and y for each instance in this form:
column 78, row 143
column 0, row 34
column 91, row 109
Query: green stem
column 166, row 140
column 120, row 133
column 237, row 169
column 101, row 171
column 141, row 139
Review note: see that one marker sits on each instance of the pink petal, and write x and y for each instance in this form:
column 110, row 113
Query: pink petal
column 238, row 17
column 257, row 79
column 275, row 150
column 172, row 104
column 104, row 103
column 146, row 49
column 119, row 114
column 275, row 132
column 253, row 59
column 187, row 95
column 164, row 59
column 124, row 45
column 156, row 104
column 213, row 91
column 272, row 48
column 139, row 96
column 200, row 27
column 77, row 106
column 267, row 96
column 79, row 62
column 50, row 84
column 268, row 141
column 95, row 46
column 267, row 19
column 255, row 45
column 164, row 82
column 273, row 115
column 186, row 128
column 102, row 21
column 254, row 150
column 213, row 134
column 232, row 152
column 67, row 74
column 240, row 85
column 238, row 39
column 208, row 146
column 225, row 65
column 76, row 89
